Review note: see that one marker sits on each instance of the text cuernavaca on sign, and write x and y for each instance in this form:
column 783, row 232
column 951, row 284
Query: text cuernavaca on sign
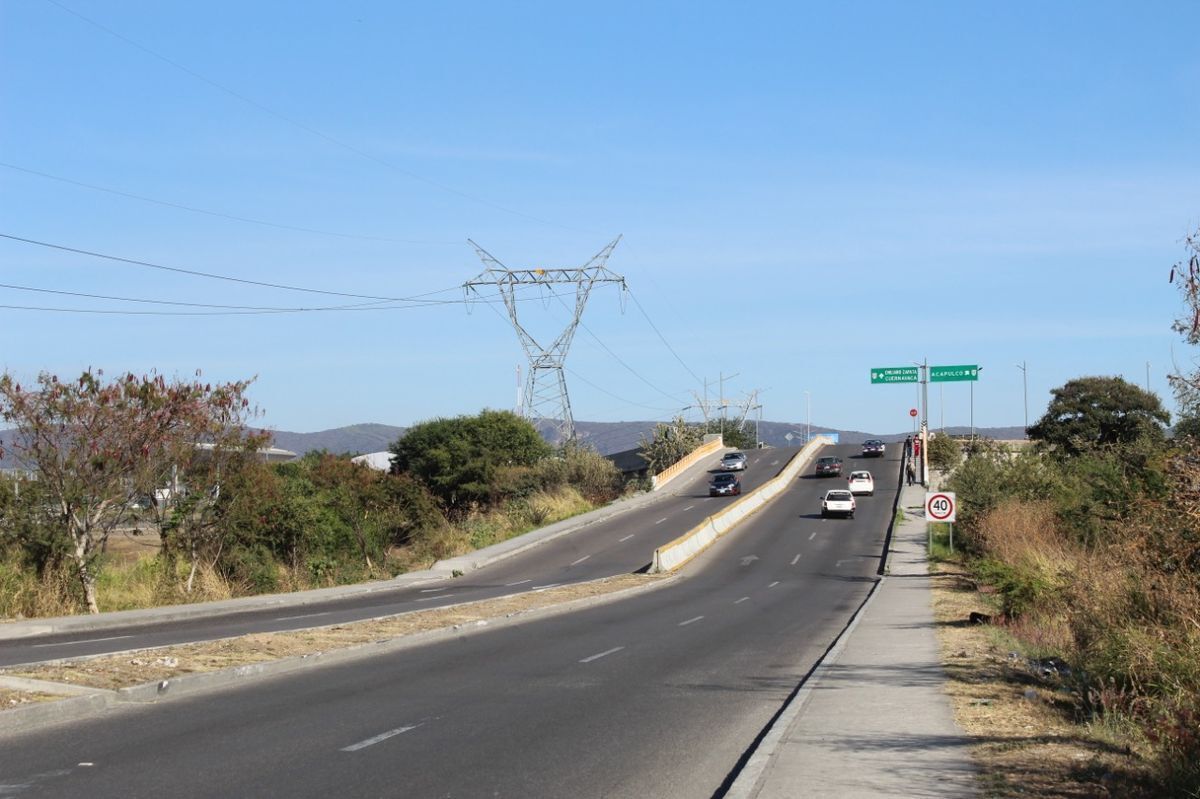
column 894, row 374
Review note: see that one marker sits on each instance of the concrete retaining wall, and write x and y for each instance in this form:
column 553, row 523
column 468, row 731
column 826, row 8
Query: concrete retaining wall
column 679, row 467
column 678, row 552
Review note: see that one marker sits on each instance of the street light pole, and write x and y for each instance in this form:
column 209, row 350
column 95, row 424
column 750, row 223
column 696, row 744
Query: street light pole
column 808, row 417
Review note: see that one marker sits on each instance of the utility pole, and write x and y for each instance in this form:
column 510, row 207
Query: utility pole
column 721, row 378
column 545, row 396
column 1025, row 391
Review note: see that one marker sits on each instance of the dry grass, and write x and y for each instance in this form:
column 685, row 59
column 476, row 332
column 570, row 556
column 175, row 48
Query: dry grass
column 1028, row 739
column 135, row 668
column 11, row 699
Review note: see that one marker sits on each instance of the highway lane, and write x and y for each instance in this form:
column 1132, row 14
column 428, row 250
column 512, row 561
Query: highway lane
column 619, row 545
column 656, row 695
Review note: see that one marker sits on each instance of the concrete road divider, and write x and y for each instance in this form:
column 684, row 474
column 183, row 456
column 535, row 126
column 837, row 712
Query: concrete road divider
column 673, row 555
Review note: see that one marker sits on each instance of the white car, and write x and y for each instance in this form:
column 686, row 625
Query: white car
column 734, row 462
column 861, row 483
column 838, row 502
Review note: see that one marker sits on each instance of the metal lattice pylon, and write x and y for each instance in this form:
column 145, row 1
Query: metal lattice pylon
column 545, row 396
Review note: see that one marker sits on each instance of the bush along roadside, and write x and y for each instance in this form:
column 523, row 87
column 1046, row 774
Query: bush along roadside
column 319, row 521
column 1089, row 559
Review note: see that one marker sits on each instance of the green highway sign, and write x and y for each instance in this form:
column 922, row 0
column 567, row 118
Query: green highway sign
column 894, row 374
column 947, row 374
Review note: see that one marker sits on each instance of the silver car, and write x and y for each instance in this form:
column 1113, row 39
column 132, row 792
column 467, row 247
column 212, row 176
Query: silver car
column 734, row 462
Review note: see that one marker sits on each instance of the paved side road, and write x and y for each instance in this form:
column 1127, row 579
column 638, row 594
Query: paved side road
column 874, row 719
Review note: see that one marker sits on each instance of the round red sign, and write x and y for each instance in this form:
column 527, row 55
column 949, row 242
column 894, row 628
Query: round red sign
column 912, row 412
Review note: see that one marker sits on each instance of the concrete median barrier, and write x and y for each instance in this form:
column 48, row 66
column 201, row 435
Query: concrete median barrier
column 678, row 552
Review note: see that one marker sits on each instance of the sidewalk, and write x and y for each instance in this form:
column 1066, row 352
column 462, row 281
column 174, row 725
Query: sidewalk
column 873, row 720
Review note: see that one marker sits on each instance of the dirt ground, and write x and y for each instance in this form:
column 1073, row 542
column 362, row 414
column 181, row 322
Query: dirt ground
column 1028, row 740
column 11, row 699
column 135, row 668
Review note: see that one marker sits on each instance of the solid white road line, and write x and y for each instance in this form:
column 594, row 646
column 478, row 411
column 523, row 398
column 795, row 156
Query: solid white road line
column 383, row 736
column 431, row 598
column 626, row 538
column 772, row 585
column 795, row 560
column 88, row 641
column 689, row 621
column 605, row 653
column 581, row 560
column 519, row 582
column 740, row 601
column 303, row 616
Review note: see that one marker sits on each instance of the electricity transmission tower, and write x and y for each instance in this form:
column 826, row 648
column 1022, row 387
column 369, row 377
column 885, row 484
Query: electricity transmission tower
column 545, row 397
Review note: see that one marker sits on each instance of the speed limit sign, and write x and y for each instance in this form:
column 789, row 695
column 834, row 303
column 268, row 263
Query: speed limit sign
column 940, row 506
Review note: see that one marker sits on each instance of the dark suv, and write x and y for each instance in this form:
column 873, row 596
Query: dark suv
column 829, row 466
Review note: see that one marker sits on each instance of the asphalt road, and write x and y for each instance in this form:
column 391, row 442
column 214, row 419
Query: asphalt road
column 656, row 695
column 620, row 545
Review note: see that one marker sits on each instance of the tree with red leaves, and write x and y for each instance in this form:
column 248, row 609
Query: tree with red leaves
column 96, row 446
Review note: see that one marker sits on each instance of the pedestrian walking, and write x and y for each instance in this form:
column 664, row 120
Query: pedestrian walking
column 908, row 446
column 912, row 473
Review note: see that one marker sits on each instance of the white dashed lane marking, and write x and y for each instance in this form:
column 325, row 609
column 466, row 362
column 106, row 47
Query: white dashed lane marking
column 383, row 736
column 605, row 653
column 690, row 621
column 795, row 560
column 519, row 582
column 623, row 540
column 660, row 521
column 772, row 585
column 303, row 616
column 740, row 601
column 87, row 641
column 431, row 598
column 581, row 560
column 814, row 534
column 431, row 590
column 689, row 507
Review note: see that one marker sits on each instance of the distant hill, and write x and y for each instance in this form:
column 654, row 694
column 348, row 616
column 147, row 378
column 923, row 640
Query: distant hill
column 356, row 439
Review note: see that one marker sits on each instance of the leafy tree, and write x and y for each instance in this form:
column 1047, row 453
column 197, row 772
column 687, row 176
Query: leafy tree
column 739, row 436
column 97, row 446
column 1090, row 412
column 457, row 459
column 670, row 443
column 944, row 452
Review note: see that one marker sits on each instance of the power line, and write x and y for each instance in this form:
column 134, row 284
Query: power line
column 300, row 125
column 663, row 338
column 210, row 305
column 214, row 276
column 218, row 214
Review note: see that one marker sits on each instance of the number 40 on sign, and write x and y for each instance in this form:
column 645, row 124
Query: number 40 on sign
column 940, row 506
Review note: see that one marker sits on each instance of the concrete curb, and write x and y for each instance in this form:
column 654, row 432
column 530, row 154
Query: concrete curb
column 442, row 570
column 31, row 717
column 687, row 546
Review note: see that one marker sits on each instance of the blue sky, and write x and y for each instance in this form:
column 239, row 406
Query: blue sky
column 804, row 192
